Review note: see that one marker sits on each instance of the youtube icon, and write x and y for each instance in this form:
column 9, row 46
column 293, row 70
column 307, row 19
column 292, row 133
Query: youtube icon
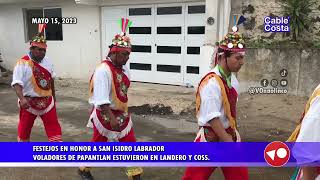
column 277, row 154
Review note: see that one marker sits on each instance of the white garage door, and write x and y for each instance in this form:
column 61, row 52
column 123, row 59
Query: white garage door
column 166, row 40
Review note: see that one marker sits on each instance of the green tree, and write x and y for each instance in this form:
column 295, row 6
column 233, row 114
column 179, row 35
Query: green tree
column 299, row 12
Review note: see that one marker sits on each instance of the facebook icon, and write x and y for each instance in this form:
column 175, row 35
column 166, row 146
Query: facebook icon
column 264, row 82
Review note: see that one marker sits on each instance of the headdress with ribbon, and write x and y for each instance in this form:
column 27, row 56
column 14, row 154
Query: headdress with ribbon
column 232, row 42
column 122, row 41
column 39, row 39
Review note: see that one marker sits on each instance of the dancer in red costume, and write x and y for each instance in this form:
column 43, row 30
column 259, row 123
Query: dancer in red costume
column 33, row 81
column 216, row 100
column 109, row 86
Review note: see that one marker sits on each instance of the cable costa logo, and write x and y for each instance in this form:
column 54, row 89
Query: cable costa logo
column 276, row 24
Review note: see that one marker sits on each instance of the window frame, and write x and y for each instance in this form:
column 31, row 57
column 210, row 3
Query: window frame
column 140, row 14
column 26, row 28
column 162, row 7
column 198, row 5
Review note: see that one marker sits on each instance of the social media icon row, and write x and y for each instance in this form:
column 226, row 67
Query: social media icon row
column 274, row 82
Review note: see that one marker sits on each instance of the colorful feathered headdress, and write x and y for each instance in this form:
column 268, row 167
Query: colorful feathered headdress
column 39, row 40
column 233, row 41
column 122, row 41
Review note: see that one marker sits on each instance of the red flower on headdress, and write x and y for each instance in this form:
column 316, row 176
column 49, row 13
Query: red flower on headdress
column 126, row 38
column 117, row 36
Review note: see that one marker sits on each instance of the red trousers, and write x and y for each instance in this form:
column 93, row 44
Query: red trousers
column 50, row 122
column 204, row 173
column 130, row 137
column 97, row 137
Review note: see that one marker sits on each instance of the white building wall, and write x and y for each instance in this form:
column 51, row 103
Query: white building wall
column 141, row 2
column 75, row 56
column 214, row 32
column 84, row 43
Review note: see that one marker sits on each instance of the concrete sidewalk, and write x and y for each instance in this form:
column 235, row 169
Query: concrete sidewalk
column 157, row 117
